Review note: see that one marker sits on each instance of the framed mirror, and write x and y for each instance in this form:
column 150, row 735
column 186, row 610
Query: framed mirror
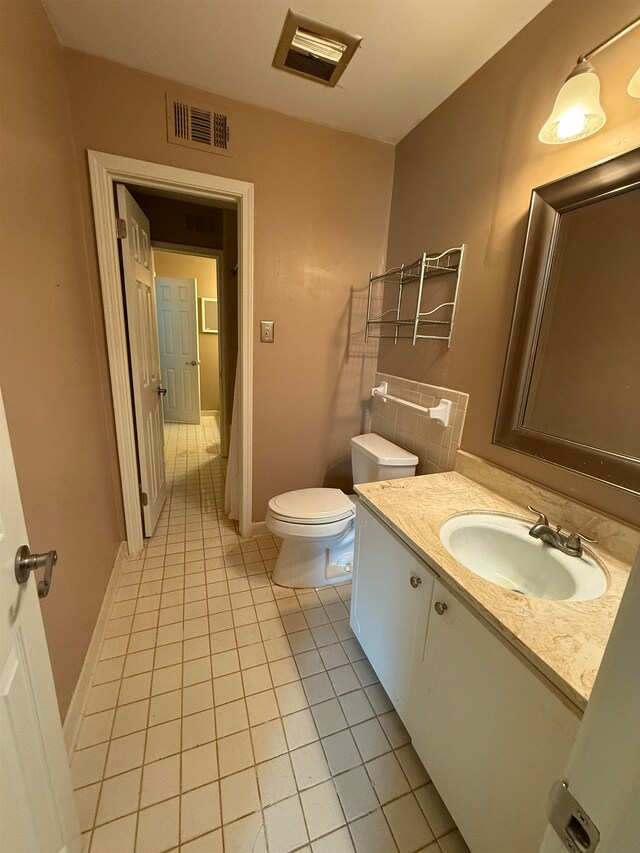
column 571, row 386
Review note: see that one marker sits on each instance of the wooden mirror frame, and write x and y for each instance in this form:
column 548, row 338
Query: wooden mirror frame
column 548, row 203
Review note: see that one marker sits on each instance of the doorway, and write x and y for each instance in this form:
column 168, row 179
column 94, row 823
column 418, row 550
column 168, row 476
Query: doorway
column 105, row 172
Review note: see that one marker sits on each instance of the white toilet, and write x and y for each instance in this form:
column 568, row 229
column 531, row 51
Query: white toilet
column 317, row 525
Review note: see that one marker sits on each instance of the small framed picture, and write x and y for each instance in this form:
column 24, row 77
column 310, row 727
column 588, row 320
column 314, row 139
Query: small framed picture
column 209, row 315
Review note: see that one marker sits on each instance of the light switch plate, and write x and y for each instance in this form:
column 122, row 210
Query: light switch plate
column 266, row 331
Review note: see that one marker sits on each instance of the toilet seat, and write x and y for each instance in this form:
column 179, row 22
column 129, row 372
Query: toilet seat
column 312, row 507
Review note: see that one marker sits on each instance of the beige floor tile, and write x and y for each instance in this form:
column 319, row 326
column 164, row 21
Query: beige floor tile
column 239, row 795
column 197, row 697
column 256, row 679
column 412, row 766
column 167, row 706
column 231, row 718
column 199, row 766
column 275, row 780
column 162, row 741
column 102, row 697
column 119, row 835
column 87, row 765
column 200, row 811
column 119, row 796
column 160, row 780
column 453, row 843
column 130, row 718
column 322, row 809
column 378, row 698
column 371, row 739
column 95, row 729
column 328, row 717
column 356, row 707
column 125, row 753
column 87, row 803
column 138, row 662
column 235, row 753
column 371, row 834
column 108, row 670
column 227, row 688
column 394, row 729
column 134, row 688
column 291, row 698
column 285, row 826
column 299, row 729
column 356, row 793
column 246, row 834
column 166, row 679
column 341, row 751
column 408, row 824
column 435, row 810
column 336, row 842
column 310, row 765
column 158, row 827
column 262, row 707
column 387, row 777
column 268, row 740
column 198, row 729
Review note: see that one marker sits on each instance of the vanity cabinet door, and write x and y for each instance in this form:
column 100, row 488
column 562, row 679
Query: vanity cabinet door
column 391, row 599
column 495, row 733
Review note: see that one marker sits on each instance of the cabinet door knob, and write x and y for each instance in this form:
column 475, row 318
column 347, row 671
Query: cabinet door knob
column 440, row 607
column 415, row 581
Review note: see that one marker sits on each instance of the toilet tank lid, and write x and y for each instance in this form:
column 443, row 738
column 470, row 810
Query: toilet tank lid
column 382, row 451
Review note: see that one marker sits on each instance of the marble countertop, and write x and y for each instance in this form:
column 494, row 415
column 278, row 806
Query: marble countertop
column 564, row 640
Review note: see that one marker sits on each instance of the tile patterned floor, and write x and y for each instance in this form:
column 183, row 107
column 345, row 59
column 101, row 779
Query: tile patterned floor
column 229, row 714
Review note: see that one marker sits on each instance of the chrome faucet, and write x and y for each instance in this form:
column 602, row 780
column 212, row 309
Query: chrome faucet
column 570, row 544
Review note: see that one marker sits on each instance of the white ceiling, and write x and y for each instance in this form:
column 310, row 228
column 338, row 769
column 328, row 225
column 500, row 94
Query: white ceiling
column 414, row 53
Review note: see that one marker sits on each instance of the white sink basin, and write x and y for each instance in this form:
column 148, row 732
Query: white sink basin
column 498, row 548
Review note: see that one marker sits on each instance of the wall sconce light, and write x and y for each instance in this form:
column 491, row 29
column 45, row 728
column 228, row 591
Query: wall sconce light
column 577, row 112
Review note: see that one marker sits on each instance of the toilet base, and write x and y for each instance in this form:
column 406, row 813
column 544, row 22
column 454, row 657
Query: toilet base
column 313, row 563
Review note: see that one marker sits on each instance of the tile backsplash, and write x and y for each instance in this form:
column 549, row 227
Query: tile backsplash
column 435, row 445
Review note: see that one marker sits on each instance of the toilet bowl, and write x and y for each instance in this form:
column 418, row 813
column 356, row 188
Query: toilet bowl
column 317, row 525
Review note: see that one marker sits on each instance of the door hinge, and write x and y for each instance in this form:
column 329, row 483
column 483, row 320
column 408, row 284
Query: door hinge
column 574, row 827
column 144, row 498
column 121, row 228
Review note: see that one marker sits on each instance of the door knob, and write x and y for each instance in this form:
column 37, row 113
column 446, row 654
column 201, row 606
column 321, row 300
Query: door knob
column 193, row 363
column 162, row 391
column 440, row 607
column 415, row 581
column 26, row 562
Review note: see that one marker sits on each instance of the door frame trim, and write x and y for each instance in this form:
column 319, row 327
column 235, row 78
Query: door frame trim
column 105, row 170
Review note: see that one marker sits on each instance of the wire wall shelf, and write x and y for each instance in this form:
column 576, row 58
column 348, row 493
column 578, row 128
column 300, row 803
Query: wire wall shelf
column 419, row 273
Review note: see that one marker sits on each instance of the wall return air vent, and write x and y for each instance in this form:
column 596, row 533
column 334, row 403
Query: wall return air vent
column 314, row 50
column 197, row 125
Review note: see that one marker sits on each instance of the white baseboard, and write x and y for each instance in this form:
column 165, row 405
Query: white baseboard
column 73, row 718
column 259, row 528
column 208, row 413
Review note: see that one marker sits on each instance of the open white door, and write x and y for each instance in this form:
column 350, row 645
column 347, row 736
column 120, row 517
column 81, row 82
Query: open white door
column 145, row 360
column 37, row 807
column 603, row 773
column 176, row 301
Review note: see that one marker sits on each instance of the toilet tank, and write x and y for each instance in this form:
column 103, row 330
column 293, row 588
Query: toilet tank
column 375, row 458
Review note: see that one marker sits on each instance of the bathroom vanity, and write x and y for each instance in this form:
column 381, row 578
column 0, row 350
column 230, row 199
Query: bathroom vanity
column 490, row 684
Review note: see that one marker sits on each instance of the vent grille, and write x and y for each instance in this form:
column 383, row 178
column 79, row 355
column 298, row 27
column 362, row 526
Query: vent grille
column 197, row 126
column 313, row 49
column 312, row 66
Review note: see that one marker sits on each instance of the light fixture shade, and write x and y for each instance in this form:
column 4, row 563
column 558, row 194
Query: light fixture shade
column 577, row 112
column 634, row 85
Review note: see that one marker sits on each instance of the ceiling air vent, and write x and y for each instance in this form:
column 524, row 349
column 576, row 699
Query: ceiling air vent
column 314, row 50
column 197, row 125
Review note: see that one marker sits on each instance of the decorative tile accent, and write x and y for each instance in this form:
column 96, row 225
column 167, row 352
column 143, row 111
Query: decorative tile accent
column 434, row 445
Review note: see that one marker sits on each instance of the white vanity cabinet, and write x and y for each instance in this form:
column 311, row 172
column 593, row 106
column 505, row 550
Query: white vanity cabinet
column 492, row 732
column 390, row 606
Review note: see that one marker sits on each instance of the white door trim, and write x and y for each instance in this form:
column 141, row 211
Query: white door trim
column 105, row 170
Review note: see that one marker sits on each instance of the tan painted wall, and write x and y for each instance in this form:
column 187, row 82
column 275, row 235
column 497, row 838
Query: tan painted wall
column 321, row 205
column 465, row 174
column 53, row 381
column 176, row 265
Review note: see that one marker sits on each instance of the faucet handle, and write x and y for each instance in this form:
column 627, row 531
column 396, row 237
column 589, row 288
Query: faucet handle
column 578, row 538
column 542, row 518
